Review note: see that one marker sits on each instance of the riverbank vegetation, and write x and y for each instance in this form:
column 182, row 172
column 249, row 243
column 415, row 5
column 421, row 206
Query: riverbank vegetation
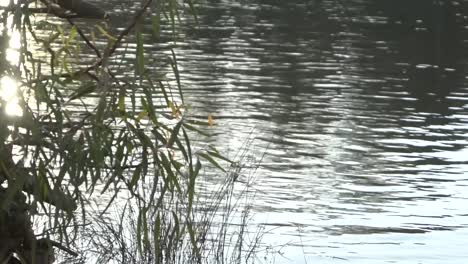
column 96, row 159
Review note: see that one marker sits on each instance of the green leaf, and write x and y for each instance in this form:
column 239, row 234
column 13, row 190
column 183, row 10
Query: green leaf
column 139, row 231
column 163, row 90
column 41, row 93
column 71, row 36
column 156, row 25
column 191, row 185
column 141, row 115
column 148, row 103
column 194, row 129
column 42, row 183
column 146, row 242
column 159, row 136
column 219, row 156
column 136, row 176
column 105, row 33
column 193, row 239
column 140, row 56
column 157, row 237
column 211, row 160
column 101, row 109
column 121, row 102
column 176, row 225
column 174, row 135
column 83, row 90
column 175, row 68
column 170, row 174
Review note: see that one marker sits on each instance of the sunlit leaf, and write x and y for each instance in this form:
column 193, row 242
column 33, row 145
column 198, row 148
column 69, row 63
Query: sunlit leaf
column 141, row 115
column 210, row 120
column 71, row 36
column 121, row 102
column 105, row 33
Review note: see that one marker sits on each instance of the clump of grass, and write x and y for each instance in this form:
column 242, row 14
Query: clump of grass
column 216, row 231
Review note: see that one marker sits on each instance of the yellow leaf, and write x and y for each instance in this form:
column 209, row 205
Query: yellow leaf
column 105, row 33
column 210, row 120
column 175, row 109
column 142, row 115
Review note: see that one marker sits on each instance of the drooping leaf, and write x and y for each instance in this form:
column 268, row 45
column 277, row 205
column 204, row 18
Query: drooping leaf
column 211, row 160
column 136, row 177
column 219, row 156
column 171, row 176
column 175, row 133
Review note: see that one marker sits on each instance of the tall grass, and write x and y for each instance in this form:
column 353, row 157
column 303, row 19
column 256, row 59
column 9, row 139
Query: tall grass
column 219, row 222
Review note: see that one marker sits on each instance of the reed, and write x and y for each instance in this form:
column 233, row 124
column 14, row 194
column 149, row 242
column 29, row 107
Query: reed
column 219, row 224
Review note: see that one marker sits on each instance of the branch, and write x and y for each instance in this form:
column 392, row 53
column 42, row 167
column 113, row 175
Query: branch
column 83, row 36
column 56, row 244
column 109, row 51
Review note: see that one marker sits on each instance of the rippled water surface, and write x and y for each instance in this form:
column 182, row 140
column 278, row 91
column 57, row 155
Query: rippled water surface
column 362, row 109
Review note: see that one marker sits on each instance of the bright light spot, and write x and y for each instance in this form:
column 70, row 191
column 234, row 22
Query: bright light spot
column 15, row 40
column 13, row 109
column 9, row 93
column 6, row 2
column 12, row 56
column 12, row 53
column 9, row 88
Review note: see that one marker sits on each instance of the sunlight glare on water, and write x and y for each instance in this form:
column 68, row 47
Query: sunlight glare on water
column 9, row 93
column 12, row 53
column 9, row 88
column 360, row 119
column 6, row 2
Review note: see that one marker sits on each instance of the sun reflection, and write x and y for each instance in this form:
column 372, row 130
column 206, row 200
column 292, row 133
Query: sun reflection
column 14, row 44
column 15, row 40
column 6, row 2
column 12, row 56
column 9, row 88
column 12, row 53
column 9, row 93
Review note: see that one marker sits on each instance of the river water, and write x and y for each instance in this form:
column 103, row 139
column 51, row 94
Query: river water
column 357, row 114
column 361, row 110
